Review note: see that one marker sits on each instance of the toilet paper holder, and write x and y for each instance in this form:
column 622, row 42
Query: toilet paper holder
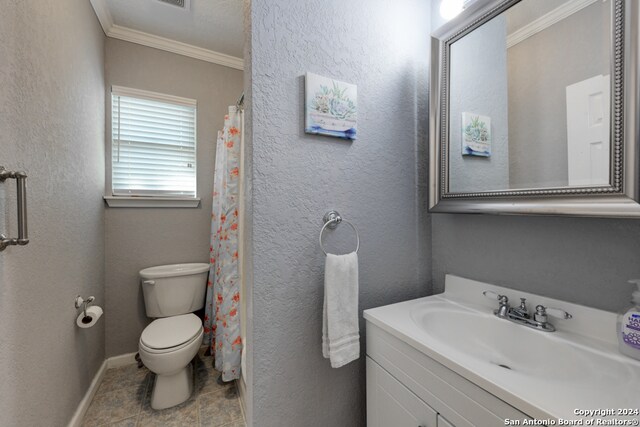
column 84, row 303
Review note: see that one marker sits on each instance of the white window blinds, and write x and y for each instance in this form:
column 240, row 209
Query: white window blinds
column 153, row 144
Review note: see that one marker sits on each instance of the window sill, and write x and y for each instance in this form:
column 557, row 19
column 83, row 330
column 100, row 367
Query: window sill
column 151, row 202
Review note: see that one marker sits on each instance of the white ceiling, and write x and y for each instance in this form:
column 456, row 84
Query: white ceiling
column 215, row 25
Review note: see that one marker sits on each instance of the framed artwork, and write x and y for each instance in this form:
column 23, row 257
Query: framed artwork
column 331, row 107
column 476, row 135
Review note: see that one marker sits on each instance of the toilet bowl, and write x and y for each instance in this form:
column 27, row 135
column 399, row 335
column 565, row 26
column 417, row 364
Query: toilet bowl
column 171, row 341
column 167, row 347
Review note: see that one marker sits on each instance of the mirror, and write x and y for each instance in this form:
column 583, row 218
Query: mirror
column 518, row 89
column 529, row 104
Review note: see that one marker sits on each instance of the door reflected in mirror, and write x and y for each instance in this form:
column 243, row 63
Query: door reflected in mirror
column 529, row 99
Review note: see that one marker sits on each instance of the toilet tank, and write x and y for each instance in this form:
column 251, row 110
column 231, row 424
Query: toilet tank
column 170, row 290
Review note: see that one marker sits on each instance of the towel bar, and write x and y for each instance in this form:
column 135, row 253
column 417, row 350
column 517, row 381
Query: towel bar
column 23, row 237
column 331, row 220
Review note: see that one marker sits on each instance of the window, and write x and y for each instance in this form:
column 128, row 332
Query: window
column 153, row 145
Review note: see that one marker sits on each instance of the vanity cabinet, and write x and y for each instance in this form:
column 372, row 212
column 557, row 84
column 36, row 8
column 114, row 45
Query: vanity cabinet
column 443, row 423
column 406, row 388
column 389, row 403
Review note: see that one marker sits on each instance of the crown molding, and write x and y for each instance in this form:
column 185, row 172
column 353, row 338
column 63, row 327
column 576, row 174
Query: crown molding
column 145, row 39
column 150, row 40
column 547, row 20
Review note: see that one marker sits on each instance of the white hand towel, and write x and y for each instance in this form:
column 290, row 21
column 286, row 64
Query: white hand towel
column 340, row 328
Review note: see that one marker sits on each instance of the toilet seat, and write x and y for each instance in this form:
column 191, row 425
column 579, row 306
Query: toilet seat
column 171, row 334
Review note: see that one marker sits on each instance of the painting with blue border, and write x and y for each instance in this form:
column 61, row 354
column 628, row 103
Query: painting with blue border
column 476, row 135
column 331, row 107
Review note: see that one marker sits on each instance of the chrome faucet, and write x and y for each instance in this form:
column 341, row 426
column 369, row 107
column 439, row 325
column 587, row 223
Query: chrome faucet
column 521, row 311
column 503, row 310
column 521, row 316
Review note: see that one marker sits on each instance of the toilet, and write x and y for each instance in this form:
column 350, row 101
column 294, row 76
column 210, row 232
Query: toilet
column 171, row 294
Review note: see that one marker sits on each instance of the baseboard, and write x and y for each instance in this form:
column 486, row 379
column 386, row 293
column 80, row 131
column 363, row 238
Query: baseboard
column 111, row 362
column 122, row 360
column 76, row 420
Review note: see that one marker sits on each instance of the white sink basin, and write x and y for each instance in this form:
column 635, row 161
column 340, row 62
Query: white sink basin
column 543, row 374
column 503, row 345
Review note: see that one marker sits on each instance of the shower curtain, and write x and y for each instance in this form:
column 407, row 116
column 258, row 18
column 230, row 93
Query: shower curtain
column 222, row 317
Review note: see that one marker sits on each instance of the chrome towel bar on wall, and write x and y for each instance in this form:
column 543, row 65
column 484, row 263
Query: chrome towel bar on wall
column 21, row 182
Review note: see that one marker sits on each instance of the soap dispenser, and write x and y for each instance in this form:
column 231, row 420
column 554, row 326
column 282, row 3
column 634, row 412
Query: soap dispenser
column 629, row 326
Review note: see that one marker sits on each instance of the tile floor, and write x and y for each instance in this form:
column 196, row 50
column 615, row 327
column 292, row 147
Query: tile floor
column 123, row 400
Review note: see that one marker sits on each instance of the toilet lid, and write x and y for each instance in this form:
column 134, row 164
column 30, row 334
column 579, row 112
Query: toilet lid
column 171, row 331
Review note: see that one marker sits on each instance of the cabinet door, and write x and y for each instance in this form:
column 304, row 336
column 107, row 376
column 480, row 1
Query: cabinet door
column 390, row 404
column 443, row 423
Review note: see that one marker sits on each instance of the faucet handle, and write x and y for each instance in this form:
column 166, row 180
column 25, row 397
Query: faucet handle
column 542, row 312
column 523, row 303
column 559, row 313
column 495, row 296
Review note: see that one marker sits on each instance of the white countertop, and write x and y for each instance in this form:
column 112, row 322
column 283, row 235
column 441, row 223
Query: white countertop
column 552, row 374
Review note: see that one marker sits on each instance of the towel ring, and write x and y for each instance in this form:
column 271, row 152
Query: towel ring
column 331, row 220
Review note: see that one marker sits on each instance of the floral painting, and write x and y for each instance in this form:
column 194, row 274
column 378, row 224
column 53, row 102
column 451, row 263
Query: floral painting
column 476, row 135
column 331, row 107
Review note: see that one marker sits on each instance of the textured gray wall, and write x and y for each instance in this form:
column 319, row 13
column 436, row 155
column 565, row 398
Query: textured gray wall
column 52, row 126
column 142, row 237
column 382, row 47
column 540, row 69
column 479, row 86
column 582, row 260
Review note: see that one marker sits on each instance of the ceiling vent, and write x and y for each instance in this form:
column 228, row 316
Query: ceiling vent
column 182, row 4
